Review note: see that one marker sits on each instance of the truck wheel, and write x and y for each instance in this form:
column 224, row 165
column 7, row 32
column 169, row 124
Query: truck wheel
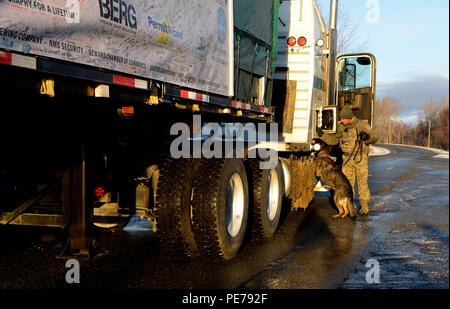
column 173, row 209
column 220, row 209
column 267, row 199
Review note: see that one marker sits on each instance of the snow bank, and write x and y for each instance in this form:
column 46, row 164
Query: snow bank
column 442, row 154
column 378, row 151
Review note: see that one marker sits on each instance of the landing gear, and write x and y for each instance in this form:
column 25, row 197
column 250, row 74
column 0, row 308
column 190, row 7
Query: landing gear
column 80, row 243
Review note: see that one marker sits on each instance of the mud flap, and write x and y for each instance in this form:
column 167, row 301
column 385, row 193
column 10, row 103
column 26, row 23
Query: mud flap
column 303, row 182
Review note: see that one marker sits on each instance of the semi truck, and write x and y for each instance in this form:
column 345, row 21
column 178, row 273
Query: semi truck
column 198, row 115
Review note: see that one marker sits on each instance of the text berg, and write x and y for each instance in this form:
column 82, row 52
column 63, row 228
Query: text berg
column 118, row 11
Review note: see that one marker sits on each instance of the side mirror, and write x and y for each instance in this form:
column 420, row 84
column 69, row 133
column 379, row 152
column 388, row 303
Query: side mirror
column 356, row 84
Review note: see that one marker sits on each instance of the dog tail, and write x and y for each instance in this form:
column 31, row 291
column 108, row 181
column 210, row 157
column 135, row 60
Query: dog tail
column 351, row 208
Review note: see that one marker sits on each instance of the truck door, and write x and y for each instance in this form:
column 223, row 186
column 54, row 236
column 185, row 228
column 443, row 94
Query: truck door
column 356, row 84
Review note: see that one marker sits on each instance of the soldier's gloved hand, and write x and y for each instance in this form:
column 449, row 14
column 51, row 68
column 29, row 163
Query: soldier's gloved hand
column 363, row 136
column 319, row 131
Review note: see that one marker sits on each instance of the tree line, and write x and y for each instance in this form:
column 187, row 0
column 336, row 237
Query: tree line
column 432, row 129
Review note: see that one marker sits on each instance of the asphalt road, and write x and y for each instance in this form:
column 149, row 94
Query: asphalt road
column 406, row 234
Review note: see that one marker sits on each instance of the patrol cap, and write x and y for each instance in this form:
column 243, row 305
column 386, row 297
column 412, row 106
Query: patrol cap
column 346, row 113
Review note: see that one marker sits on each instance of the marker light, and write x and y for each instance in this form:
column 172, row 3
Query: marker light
column 320, row 42
column 291, row 41
column 127, row 110
column 301, row 41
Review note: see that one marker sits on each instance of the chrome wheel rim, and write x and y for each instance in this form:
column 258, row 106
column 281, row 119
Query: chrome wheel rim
column 273, row 194
column 286, row 177
column 234, row 205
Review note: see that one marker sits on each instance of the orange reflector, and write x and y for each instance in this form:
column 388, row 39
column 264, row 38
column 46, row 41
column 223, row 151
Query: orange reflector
column 291, row 41
column 127, row 110
column 99, row 191
column 301, row 41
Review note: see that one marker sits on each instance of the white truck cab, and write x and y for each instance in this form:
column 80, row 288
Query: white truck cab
column 316, row 83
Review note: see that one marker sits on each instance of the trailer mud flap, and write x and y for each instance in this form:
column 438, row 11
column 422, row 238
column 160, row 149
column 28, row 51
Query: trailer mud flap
column 284, row 96
column 303, row 182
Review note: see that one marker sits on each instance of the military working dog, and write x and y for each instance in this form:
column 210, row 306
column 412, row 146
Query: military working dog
column 331, row 174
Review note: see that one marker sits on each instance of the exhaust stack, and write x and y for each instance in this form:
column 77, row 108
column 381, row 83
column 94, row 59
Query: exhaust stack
column 332, row 38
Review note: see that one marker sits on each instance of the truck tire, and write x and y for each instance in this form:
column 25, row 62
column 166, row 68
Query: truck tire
column 267, row 199
column 173, row 209
column 286, row 169
column 220, row 208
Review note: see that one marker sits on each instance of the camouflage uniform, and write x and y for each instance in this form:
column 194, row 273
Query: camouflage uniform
column 356, row 161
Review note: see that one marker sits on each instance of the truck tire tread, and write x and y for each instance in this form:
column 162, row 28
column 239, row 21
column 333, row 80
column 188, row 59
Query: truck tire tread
column 174, row 229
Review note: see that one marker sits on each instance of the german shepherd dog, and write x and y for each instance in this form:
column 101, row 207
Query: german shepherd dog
column 332, row 176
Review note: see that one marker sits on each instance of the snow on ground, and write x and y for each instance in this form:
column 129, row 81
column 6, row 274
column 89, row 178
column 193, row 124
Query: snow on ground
column 442, row 154
column 378, row 151
column 137, row 224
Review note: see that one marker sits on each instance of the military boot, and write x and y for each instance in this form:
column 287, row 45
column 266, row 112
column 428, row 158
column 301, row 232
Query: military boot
column 364, row 207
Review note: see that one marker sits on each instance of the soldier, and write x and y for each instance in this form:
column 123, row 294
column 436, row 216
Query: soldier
column 354, row 137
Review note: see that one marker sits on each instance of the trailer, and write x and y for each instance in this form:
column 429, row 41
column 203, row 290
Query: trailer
column 198, row 115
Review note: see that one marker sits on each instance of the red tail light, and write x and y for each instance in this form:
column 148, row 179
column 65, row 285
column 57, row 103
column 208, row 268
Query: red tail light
column 301, row 41
column 99, row 191
column 291, row 41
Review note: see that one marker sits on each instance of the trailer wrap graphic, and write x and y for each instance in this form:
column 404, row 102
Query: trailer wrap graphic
column 186, row 42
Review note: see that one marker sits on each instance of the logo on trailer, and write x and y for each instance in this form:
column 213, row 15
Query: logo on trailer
column 118, row 11
column 164, row 35
column 165, row 30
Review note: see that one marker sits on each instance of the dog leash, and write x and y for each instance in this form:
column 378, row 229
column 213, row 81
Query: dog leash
column 360, row 152
column 358, row 145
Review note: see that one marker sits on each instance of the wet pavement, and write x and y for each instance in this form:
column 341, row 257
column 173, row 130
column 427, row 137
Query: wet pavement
column 406, row 233
column 408, row 229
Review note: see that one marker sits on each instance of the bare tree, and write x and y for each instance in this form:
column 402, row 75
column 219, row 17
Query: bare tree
column 428, row 119
column 347, row 34
column 444, row 114
column 347, row 30
column 386, row 112
column 433, row 128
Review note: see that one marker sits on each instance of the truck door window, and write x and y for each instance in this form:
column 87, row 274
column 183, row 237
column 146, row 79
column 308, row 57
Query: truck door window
column 355, row 73
column 349, row 77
